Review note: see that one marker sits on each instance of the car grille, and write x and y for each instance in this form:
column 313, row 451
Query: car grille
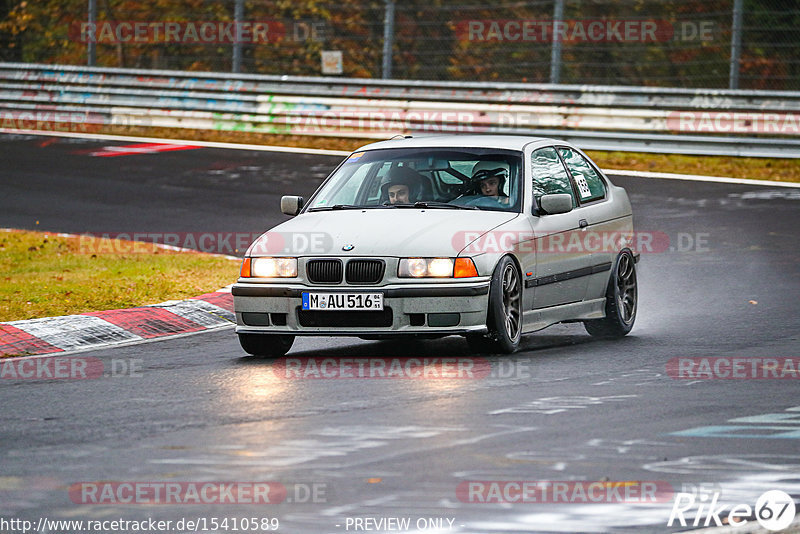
column 324, row 271
column 345, row 318
column 365, row 271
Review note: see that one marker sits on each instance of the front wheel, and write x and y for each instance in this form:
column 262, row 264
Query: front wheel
column 266, row 345
column 621, row 301
column 504, row 316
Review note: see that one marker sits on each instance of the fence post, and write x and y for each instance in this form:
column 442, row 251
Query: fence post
column 388, row 39
column 238, row 16
column 555, row 56
column 736, row 43
column 91, row 51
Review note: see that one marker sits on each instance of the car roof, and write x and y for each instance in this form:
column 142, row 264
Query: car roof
column 509, row 142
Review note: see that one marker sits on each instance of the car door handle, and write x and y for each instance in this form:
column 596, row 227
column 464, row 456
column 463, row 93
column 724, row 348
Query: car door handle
column 582, row 223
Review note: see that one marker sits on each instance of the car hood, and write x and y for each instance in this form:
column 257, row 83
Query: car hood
column 378, row 232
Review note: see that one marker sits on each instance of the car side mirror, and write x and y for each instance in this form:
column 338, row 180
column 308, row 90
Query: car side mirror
column 291, row 205
column 556, row 203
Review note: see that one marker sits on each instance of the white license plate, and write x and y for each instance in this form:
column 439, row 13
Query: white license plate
column 343, row 301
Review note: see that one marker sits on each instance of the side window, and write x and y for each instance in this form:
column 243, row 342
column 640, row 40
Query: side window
column 590, row 185
column 549, row 174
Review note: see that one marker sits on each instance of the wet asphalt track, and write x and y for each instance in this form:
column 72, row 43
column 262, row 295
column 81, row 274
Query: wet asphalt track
column 574, row 408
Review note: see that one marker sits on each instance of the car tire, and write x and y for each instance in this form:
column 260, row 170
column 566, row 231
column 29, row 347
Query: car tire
column 504, row 314
column 621, row 300
column 266, row 346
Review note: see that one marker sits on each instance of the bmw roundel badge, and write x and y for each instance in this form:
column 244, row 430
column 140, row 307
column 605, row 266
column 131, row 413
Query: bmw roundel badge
column 348, row 248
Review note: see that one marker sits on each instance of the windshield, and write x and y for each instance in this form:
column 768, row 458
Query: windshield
column 461, row 178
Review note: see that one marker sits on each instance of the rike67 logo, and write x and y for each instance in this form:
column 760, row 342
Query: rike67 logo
column 774, row 511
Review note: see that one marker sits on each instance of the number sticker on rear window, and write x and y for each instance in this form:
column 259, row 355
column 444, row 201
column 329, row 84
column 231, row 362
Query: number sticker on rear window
column 583, row 187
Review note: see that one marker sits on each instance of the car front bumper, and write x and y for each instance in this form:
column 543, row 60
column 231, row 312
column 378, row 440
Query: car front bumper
column 409, row 309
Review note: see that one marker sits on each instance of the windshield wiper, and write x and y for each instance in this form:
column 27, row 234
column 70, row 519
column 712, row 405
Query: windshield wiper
column 339, row 207
column 434, row 204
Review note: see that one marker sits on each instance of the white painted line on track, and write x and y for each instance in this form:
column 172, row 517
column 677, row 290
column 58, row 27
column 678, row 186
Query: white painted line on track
column 207, row 144
column 700, row 178
column 323, row 152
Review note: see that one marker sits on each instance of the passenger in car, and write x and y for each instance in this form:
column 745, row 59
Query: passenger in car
column 491, row 177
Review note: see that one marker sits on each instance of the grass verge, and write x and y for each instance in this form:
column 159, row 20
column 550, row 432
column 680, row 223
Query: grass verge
column 44, row 274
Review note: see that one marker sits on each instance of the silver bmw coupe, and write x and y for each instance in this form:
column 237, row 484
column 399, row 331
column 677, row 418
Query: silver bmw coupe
column 484, row 236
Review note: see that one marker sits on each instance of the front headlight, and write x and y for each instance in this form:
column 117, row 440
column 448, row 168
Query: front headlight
column 440, row 267
column 269, row 268
column 425, row 268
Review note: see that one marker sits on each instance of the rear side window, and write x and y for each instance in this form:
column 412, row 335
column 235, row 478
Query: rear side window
column 549, row 174
column 590, row 185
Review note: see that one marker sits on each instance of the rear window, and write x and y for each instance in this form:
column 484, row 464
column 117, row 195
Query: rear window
column 589, row 183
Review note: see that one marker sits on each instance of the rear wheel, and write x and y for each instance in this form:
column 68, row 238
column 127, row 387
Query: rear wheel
column 504, row 316
column 621, row 301
column 266, row 346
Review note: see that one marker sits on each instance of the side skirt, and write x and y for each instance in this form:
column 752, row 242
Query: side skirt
column 534, row 320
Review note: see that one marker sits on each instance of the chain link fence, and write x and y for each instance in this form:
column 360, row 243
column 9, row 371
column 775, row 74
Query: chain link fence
column 664, row 43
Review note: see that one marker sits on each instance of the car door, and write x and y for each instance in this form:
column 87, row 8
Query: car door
column 561, row 264
column 602, row 231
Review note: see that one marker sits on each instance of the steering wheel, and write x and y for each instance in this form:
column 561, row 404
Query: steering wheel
column 484, row 202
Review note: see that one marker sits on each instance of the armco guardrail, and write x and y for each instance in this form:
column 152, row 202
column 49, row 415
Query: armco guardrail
column 687, row 121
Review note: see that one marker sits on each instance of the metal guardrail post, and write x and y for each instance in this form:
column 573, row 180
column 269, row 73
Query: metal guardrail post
column 91, row 51
column 238, row 16
column 388, row 39
column 555, row 56
column 736, row 43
